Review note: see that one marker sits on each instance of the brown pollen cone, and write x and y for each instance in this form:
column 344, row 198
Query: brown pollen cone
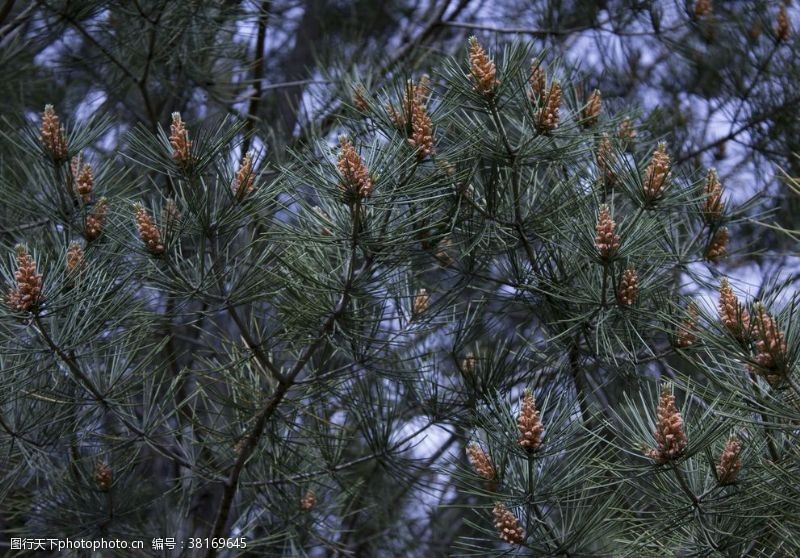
column 74, row 256
column 591, row 112
column 360, row 98
column 507, row 525
column 355, row 175
column 626, row 131
column 606, row 240
column 730, row 462
column 670, row 438
column 421, row 130
column 52, row 135
column 481, row 462
column 714, row 206
column 482, row 69
column 148, row 231
column 537, row 81
column 547, row 117
column 529, row 424
column 657, row 173
column 732, row 313
column 84, row 180
column 687, row 330
column 243, row 179
column 628, row 288
column 718, row 247
column 421, row 302
column 95, row 220
column 770, row 347
column 28, row 292
column 308, row 501
column 103, row 476
column 179, row 140
column 605, row 161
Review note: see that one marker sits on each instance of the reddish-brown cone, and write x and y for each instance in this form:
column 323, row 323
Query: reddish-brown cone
column 482, row 69
column 480, row 461
column 591, row 112
column 308, row 501
column 529, row 424
column 687, row 330
column 606, row 240
column 52, row 135
column 732, row 313
column 179, row 140
column 74, row 257
column 628, row 288
column 718, row 247
column 96, row 220
column 148, row 231
column 507, row 525
column 28, row 292
column 356, row 180
column 547, row 117
column 656, row 174
column 730, row 462
column 714, row 206
column 670, row 438
column 244, row 177
column 103, row 476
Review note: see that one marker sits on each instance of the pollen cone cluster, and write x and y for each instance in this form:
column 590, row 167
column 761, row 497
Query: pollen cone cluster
column 103, row 476
column 547, row 117
column 28, row 292
column 626, row 131
column 591, row 112
column 713, row 208
column 537, row 81
column 529, row 424
column 656, row 174
column 605, row 161
column 83, row 178
column 606, row 240
column 360, row 98
column 243, row 179
column 670, row 438
column 628, row 288
column 770, row 347
column 355, row 175
column 482, row 69
column 74, row 257
column 718, row 247
column 469, row 365
column 480, row 461
column 732, row 313
column 687, row 330
column 415, row 95
column 421, row 124
column 507, row 525
column 179, row 140
column 96, row 220
column 730, row 462
column 421, row 301
column 52, row 135
column 148, row 231
column 308, row 501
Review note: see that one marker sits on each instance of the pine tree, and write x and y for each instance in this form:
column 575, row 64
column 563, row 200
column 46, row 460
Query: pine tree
column 466, row 305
